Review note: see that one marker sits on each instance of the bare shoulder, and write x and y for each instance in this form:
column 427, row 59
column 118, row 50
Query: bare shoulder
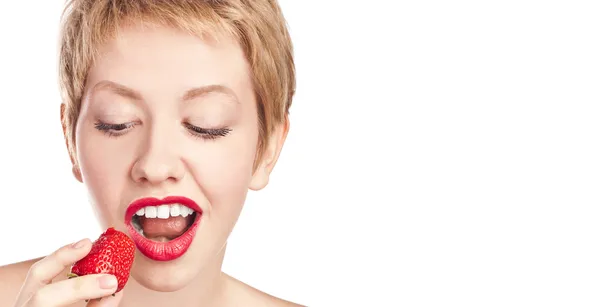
column 243, row 294
column 12, row 277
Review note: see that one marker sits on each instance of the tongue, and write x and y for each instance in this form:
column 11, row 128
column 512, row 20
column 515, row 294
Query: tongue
column 170, row 228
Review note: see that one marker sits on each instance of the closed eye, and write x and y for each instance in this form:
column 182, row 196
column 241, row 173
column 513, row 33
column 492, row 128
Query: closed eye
column 113, row 129
column 204, row 133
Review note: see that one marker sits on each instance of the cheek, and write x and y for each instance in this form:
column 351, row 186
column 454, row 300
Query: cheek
column 223, row 170
column 104, row 171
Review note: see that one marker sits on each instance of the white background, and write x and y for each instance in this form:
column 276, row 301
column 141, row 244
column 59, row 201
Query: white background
column 442, row 153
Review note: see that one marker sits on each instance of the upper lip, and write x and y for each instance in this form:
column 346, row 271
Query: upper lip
column 153, row 201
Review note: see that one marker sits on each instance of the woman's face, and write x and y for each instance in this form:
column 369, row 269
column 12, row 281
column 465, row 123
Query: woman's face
column 168, row 114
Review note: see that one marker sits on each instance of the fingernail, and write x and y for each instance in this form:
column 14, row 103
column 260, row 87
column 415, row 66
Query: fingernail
column 107, row 282
column 79, row 244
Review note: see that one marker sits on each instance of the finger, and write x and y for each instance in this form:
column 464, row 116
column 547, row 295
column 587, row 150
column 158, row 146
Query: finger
column 110, row 301
column 42, row 272
column 74, row 290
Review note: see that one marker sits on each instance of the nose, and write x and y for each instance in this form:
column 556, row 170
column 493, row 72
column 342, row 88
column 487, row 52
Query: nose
column 158, row 161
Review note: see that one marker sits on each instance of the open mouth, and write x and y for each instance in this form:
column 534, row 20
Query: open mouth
column 163, row 223
column 163, row 230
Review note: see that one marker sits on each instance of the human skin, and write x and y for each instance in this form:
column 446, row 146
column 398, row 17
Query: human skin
column 143, row 79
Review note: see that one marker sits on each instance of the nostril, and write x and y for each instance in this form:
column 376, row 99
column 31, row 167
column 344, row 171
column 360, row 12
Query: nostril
column 153, row 170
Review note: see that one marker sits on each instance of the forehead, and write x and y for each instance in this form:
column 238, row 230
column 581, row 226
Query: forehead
column 151, row 58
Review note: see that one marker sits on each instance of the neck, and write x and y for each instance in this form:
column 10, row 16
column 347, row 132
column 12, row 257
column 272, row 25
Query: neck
column 206, row 289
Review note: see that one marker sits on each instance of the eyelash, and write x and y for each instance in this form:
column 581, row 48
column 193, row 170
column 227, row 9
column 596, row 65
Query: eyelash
column 207, row 134
column 114, row 130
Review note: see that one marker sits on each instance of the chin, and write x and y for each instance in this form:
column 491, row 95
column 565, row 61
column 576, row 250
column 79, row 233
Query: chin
column 162, row 277
column 174, row 275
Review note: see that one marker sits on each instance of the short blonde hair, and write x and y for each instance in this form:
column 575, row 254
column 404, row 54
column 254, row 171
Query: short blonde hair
column 257, row 25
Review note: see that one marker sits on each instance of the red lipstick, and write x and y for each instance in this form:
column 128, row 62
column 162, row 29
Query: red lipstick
column 162, row 251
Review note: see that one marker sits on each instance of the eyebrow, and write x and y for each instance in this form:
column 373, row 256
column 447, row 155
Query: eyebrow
column 191, row 94
column 209, row 89
column 118, row 89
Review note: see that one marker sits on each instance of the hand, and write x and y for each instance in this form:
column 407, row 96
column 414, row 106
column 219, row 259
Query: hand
column 38, row 290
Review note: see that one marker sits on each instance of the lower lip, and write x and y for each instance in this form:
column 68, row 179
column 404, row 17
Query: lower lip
column 163, row 251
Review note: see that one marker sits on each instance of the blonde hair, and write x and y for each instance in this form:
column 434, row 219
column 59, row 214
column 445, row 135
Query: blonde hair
column 257, row 25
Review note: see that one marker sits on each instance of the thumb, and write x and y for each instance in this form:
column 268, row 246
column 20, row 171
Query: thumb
column 109, row 301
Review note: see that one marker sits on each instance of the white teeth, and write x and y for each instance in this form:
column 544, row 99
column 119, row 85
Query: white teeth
column 151, row 212
column 185, row 211
column 163, row 212
column 175, row 210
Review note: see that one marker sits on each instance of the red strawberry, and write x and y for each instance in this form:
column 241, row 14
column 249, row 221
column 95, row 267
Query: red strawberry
column 112, row 253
